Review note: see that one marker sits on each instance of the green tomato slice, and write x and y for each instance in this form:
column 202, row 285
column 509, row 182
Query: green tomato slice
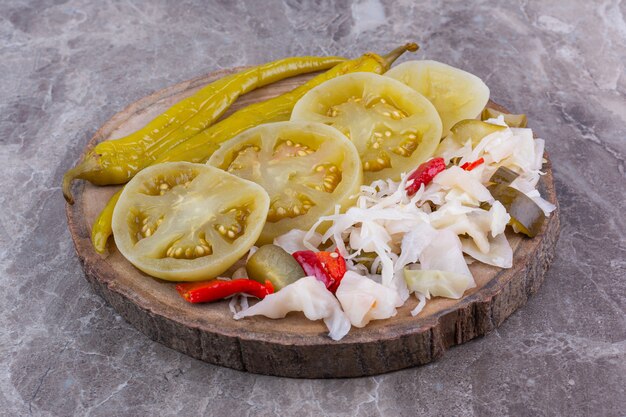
column 181, row 221
column 306, row 168
column 456, row 94
column 393, row 127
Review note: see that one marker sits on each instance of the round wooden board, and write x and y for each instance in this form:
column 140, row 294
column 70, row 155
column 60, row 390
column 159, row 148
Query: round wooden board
column 295, row 346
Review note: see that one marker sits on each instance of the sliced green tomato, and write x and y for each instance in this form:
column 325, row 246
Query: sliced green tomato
column 474, row 130
column 456, row 94
column 181, row 221
column 306, row 168
column 393, row 128
column 512, row 120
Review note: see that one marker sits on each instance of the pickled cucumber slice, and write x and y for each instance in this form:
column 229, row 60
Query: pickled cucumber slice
column 526, row 216
column 503, row 176
column 512, row 120
column 273, row 263
column 473, row 129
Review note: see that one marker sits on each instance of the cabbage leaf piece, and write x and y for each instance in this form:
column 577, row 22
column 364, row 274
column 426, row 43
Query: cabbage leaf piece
column 443, row 272
column 364, row 300
column 309, row 296
column 433, row 283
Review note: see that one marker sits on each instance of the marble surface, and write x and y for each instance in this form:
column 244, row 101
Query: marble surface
column 67, row 66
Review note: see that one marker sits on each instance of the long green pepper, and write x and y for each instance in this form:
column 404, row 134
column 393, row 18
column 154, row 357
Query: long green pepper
column 117, row 161
column 201, row 146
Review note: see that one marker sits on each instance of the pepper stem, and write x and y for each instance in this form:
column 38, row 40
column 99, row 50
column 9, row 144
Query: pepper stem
column 87, row 165
column 68, row 179
column 396, row 53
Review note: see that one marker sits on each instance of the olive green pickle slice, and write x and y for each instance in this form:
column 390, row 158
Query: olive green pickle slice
column 273, row 263
column 525, row 214
column 503, row 176
column 512, row 120
column 473, row 129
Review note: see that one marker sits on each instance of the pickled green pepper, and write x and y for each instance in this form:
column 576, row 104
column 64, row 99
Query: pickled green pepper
column 117, row 161
column 102, row 229
column 201, row 146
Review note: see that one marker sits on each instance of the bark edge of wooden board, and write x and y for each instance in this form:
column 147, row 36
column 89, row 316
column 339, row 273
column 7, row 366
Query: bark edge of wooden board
column 296, row 347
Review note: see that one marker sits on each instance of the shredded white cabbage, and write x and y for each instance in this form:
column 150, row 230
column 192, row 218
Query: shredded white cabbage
column 364, row 300
column 413, row 244
column 499, row 253
column 232, row 305
column 309, row 296
column 427, row 240
column 238, row 303
column 420, row 306
column 445, row 254
column 465, row 183
column 293, row 240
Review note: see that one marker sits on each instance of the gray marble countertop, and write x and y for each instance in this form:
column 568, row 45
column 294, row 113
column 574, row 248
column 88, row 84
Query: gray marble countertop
column 67, row 66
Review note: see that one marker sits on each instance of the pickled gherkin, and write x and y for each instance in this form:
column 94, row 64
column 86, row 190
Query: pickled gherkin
column 273, row 263
column 526, row 216
column 512, row 120
column 503, row 176
column 473, row 129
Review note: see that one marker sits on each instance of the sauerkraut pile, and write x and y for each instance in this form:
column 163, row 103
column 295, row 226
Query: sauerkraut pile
column 397, row 244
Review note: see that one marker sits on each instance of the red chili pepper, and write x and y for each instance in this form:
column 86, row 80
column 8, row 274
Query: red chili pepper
column 424, row 174
column 468, row 166
column 217, row 289
column 312, row 266
column 327, row 267
column 335, row 266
